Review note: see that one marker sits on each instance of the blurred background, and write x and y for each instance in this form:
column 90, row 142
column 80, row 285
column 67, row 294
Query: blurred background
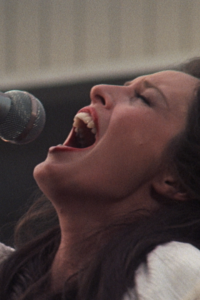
column 58, row 49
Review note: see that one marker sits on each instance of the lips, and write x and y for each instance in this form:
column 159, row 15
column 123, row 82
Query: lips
column 84, row 130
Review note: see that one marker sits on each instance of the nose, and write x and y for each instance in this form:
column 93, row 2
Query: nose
column 107, row 95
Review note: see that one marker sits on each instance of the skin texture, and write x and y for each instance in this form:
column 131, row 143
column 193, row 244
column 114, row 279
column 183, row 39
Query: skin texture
column 91, row 187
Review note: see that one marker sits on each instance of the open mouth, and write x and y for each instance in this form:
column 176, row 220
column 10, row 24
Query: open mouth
column 84, row 131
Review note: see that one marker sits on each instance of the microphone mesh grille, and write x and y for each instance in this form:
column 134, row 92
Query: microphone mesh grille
column 18, row 118
column 38, row 122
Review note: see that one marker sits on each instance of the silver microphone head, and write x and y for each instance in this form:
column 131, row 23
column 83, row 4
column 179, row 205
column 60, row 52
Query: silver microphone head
column 25, row 119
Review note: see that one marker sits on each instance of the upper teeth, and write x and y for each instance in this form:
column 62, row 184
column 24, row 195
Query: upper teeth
column 87, row 119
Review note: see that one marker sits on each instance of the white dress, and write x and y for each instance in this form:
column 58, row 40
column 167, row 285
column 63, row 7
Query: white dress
column 5, row 251
column 172, row 272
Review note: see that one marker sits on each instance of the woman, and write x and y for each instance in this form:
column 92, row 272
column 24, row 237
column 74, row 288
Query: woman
column 125, row 188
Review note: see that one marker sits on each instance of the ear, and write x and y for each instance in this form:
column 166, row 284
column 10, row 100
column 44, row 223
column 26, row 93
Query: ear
column 168, row 186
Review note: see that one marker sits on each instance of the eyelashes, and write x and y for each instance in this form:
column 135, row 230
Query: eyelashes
column 144, row 99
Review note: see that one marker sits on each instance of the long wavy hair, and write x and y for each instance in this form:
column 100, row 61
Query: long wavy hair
column 25, row 275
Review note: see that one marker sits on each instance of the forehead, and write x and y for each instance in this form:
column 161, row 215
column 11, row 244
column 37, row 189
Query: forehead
column 170, row 77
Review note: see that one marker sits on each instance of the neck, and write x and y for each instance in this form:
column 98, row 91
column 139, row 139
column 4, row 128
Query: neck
column 82, row 235
column 85, row 229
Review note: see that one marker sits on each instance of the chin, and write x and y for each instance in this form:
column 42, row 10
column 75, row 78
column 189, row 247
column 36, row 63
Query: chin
column 52, row 182
column 39, row 175
column 44, row 176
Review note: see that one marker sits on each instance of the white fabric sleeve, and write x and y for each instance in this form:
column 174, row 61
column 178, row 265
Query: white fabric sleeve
column 172, row 272
column 5, row 251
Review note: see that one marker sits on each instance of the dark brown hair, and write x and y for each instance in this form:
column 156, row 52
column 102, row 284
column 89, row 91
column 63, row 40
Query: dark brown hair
column 25, row 275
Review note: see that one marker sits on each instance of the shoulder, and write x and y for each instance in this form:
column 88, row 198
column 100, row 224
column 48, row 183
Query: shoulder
column 171, row 272
column 5, row 251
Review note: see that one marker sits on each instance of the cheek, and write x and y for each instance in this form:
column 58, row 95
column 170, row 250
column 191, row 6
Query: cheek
column 136, row 130
column 135, row 123
column 120, row 167
column 133, row 147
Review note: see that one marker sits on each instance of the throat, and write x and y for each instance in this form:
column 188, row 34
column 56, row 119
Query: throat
column 70, row 261
column 84, row 137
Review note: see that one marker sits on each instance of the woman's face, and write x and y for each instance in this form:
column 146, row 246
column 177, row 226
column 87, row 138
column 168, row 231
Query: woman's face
column 134, row 123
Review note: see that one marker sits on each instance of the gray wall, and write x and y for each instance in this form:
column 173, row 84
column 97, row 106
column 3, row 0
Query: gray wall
column 60, row 41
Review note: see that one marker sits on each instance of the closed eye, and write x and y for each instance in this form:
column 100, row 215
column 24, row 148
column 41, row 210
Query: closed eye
column 144, row 99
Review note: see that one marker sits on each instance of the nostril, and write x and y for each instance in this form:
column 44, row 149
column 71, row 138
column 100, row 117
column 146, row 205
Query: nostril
column 100, row 94
column 102, row 100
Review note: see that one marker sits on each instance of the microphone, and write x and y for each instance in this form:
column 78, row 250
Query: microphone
column 22, row 117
